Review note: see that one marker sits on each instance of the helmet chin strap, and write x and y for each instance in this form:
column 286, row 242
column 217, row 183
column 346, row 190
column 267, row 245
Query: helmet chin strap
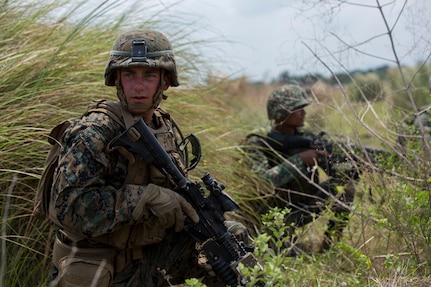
column 159, row 96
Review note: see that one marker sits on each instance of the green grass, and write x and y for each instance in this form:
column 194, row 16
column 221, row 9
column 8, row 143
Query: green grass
column 50, row 70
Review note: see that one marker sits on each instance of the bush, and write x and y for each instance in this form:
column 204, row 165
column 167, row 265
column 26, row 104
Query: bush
column 366, row 87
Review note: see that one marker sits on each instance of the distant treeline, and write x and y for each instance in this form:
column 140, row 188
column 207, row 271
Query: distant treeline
column 383, row 82
column 343, row 78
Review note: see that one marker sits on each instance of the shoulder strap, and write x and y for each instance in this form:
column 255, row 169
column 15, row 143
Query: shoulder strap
column 112, row 109
column 260, row 132
column 123, row 117
column 164, row 116
column 266, row 138
column 167, row 118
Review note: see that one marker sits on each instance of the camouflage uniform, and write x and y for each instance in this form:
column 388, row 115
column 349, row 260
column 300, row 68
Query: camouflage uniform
column 96, row 191
column 289, row 175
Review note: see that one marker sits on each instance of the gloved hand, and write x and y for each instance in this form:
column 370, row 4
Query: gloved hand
column 167, row 205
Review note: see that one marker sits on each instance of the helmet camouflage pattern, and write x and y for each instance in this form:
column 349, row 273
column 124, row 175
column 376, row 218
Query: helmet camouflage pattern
column 282, row 101
column 141, row 48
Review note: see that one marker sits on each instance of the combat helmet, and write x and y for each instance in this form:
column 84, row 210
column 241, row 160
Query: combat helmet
column 282, row 101
column 141, row 48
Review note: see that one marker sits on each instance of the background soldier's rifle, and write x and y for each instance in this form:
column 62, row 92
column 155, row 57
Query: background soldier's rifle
column 338, row 152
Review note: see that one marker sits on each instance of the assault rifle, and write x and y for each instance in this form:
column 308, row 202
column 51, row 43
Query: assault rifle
column 338, row 152
column 223, row 250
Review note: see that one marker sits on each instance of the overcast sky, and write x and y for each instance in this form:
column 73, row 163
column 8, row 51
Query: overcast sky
column 263, row 38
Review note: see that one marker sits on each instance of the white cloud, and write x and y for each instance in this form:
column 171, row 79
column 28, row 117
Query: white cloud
column 254, row 8
column 262, row 38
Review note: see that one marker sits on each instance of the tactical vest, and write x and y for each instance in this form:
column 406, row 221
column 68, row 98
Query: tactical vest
column 267, row 145
column 265, row 142
column 127, row 238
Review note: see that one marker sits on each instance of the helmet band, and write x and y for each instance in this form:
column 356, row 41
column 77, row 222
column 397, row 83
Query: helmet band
column 141, row 48
column 149, row 54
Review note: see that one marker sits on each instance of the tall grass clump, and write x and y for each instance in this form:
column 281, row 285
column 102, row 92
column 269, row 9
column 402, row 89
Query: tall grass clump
column 52, row 60
column 48, row 73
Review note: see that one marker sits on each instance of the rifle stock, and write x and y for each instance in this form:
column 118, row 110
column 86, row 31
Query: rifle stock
column 224, row 252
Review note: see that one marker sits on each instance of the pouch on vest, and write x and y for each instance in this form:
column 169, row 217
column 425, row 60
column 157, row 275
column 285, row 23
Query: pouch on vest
column 82, row 266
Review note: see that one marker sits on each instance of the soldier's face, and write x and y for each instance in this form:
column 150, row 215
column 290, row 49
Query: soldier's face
column 296, row 118
column 140, row 84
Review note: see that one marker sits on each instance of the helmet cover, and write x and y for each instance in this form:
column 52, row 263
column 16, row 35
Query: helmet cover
column 141, row 48
column 282, row 101
column 149, row 48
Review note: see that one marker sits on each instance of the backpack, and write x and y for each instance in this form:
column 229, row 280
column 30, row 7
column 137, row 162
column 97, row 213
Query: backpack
column 43, row 190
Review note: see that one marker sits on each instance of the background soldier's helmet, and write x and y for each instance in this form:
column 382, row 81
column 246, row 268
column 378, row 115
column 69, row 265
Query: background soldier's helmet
column 141, row 48
column 282, row 101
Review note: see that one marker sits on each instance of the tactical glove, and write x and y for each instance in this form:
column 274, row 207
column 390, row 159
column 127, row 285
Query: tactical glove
column 167, row 205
